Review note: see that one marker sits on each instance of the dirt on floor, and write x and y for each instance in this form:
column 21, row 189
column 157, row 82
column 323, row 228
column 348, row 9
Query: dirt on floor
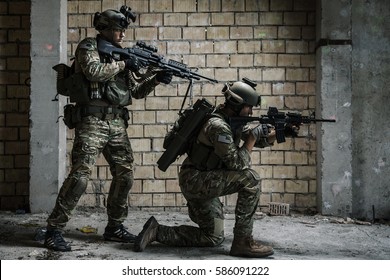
column 293, row 237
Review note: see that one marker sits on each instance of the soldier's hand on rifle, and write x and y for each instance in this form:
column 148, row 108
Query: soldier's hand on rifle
column 164, row 77
column 271, row 137
column 260, row 131
column 265, row 132
column 132, row 64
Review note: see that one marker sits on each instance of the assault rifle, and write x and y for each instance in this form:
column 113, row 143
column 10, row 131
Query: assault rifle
column 147, row 55
column 283, row 122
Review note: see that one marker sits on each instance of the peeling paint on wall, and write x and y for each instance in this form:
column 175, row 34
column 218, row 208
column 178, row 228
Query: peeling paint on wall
column 343, row 184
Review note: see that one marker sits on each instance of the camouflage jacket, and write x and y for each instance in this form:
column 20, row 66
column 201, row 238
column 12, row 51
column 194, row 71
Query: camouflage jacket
column 117, row 84
column 217, row 147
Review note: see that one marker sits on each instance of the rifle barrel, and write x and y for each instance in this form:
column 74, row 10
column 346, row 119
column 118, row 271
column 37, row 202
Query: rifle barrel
column 323, row 120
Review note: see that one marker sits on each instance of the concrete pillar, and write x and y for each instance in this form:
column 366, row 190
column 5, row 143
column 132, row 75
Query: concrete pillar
column 371, row 114
column 47, row 141
column 334, row 151
column 353, row 85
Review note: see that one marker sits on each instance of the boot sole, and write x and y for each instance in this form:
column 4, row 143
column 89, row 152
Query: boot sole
column 59, row 249
column 248, row 255
column 116, row 239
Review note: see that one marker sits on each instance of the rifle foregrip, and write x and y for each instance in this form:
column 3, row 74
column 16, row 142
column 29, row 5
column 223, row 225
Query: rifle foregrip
column 280, row 138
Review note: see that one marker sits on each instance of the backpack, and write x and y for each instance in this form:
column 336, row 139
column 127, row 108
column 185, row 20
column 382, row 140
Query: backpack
column 179, row 139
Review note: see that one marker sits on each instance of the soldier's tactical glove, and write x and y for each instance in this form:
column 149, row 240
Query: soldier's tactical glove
column 132, row 64
column 291, row 131
column 260, row 131
column 164, row 77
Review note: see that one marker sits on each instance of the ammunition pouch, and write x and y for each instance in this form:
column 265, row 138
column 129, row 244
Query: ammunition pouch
column 72, row 116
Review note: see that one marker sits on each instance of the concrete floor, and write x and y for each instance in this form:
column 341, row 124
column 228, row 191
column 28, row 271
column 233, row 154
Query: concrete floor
column 294, row 237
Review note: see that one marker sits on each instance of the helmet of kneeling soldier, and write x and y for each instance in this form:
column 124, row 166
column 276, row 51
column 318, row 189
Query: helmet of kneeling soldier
column 241, row 93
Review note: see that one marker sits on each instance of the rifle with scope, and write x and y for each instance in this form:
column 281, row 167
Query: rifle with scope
column 283, row 122
column 147, row 56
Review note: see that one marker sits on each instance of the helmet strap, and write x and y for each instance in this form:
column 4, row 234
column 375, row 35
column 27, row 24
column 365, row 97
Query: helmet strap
column 234, row 107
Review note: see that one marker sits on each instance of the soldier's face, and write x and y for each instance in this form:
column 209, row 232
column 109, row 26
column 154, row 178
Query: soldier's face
column 118, row 35
column 246, row 111
column 115, row 36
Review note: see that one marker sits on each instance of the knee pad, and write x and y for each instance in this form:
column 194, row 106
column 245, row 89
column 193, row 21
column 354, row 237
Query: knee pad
column 252, row 175
column 218, row 235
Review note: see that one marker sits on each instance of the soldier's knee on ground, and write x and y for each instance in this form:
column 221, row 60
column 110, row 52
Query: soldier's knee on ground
column 213, row 236
column 218, row 235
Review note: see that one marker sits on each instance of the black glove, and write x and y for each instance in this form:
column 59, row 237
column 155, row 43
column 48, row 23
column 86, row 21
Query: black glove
column 164, row 77
column 132, row 64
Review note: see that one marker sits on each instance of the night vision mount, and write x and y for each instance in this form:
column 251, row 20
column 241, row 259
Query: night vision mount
column 249, row 82
column 126, row 11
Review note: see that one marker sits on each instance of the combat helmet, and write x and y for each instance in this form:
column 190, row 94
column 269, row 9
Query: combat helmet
column 241, row 93
column 113, row 19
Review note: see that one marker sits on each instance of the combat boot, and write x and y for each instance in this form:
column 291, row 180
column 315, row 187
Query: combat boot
column 118, row 234
column 55, row 241
column 245, row 246
column 147, row 235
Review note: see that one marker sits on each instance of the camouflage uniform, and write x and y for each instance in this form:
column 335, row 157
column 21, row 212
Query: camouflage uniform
column 101, row 133
column 202, row 185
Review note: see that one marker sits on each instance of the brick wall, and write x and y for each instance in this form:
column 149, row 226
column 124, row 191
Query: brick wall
column 269, row 41
column 14, row 104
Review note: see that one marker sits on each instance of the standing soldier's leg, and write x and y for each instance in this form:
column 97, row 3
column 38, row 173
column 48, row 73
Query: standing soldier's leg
column 119, row 155
column 88, row 143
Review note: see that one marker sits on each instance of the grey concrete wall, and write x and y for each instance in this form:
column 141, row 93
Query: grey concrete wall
column 371, row 112
column 47, row 142
column 352, row 84
column 334, row 151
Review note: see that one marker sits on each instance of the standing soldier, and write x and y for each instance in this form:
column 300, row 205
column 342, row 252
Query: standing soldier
column 216, row 166
column 103, row 90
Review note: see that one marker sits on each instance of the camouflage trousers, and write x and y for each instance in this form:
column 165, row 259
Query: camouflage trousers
column 93, row 137
column 202, row 191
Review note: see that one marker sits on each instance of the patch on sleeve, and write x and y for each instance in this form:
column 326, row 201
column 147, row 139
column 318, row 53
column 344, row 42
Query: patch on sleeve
column 226, row 139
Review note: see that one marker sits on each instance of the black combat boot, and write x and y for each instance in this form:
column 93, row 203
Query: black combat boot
column 245, row 246
column 147, row 235
column 118, row 234
column 55, row 241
